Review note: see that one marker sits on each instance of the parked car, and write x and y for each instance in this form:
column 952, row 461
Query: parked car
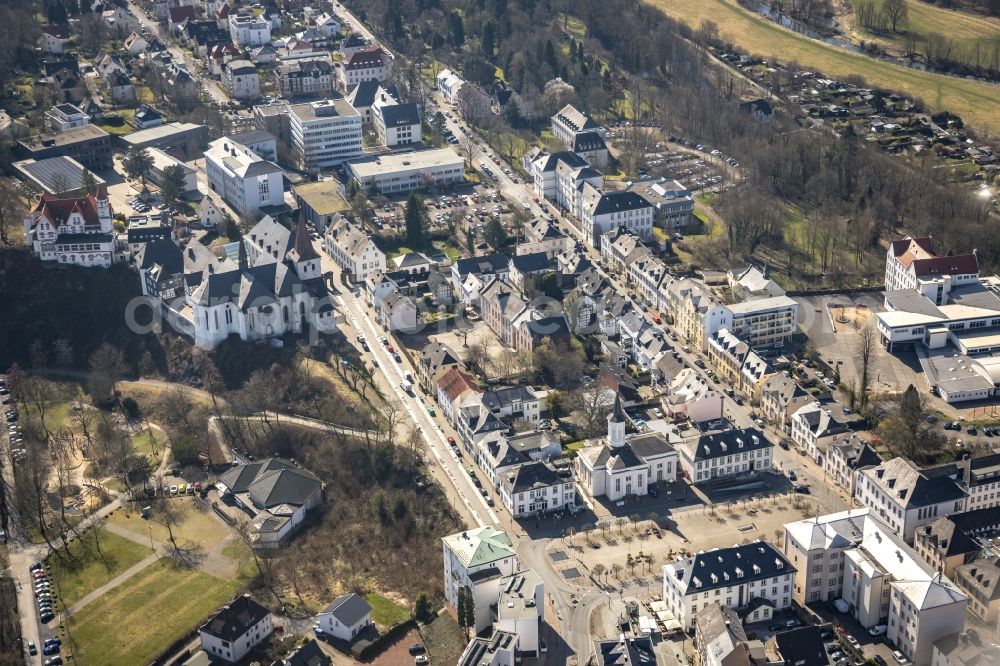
column 878, row 630
column 417, row 648
column 32, row 649
column 898, row 656
column 421, row 659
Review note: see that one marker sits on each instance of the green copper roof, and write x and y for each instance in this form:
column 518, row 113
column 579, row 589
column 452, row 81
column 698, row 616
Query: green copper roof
column 480, row 546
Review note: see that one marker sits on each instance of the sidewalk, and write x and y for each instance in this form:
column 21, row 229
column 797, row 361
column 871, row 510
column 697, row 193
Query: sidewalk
column 93, row 595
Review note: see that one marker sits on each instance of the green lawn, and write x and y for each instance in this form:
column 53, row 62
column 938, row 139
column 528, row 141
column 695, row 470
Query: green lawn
column 196, row 524
column 143, row 443
column 975, row 102
column 967, row 30
column 77, row 578
column 56, row 414
column 385, row 611
column 133, row 623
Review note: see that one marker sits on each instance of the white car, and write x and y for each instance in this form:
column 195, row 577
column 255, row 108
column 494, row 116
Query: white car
column 878, row 630
column 900, row 659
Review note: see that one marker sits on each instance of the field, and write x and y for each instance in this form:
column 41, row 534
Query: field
column 76, row 579
column 195, row 524
column 975, row 102
column 133, row 623
column 385, row 611
column 966, row 29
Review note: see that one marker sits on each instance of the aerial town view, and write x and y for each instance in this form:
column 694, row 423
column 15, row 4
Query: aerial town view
column 500, row 332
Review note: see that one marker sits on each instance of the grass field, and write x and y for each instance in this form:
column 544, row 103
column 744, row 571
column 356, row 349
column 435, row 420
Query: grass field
column 975, row 102
column 196, row 525
column 143, row 443
column 444, row 640
column 923, row 19
column 385, row 611
column 76, row 579
column 133, row 623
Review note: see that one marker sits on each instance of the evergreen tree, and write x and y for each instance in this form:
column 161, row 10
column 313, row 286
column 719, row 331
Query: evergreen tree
column 422, row 608
column 549, row 56
column 456, row 29
column 89, row 184
column 137, row 164
column 489, row 39
column 55, row 12
column 416, row 222
column 494, row 233
column 466, row 608
column 172, row 184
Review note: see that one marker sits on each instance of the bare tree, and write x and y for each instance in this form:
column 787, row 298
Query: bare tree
column 866, row 348
column 897, row 13
column 471, row 147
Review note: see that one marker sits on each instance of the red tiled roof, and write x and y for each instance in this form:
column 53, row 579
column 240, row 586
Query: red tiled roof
column 367, row 59
column 956, row 265
column 455, row 382
column 918, row 248
column 56, row 211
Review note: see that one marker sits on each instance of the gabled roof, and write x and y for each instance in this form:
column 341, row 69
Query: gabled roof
column 455, row 382
column 618, row 202
column 57, row 211
column 235, row 619
column 180, row 13
column 349, row 609
column 910, row 487
column 163, row 253
column 367, row 59
column 310, row 654
column 272, row 482
column 576, row 119
column 487, row 264
column 944, row 535
column 534, row 262
column 918, row 254
column 400, row 115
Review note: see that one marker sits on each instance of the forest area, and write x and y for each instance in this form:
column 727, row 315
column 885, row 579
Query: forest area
column 815, row 206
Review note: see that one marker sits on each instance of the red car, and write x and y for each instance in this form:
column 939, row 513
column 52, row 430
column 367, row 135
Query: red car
column 451, row 440
column 390, row 349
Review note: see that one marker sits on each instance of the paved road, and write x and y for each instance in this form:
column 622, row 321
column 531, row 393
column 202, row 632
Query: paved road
column 211, row 87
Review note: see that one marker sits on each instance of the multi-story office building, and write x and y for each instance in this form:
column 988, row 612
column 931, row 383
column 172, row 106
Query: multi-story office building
column 855, row 556
column 765, row 322
column 325, row 134
column 242, row 178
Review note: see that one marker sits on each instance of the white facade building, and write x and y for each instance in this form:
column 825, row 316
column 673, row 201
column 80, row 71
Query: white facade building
column 235, row 629
column 478, row 559
column 326, row 133
column 736, row 577
column 401, row 172
column 76, row 231
column 241, row 80
column 353, row 250
column 248, row 31
column 242, row 178
column 346, row 618
column 855, row 556
column 725, row 454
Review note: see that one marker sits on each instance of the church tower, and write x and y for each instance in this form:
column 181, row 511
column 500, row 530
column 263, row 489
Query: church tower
column 303, row 255
column 103, row 206
column 616, row 424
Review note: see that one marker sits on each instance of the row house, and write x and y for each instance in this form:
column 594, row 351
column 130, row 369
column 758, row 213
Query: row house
column 813, row 430
column 690, row 397
column 712, row 456
column 726, row 354
column 352, row 249
column 542, row 236
column 646, row 272
column 845, row 455
column 456, row 389
column 219, row 56
column 780, row 397
column 945, row 545
column 595, row 306
column 695, row 311
column 434, row 360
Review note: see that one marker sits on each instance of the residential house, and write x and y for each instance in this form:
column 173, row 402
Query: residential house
column 352, row 44
column 855, row 556
column 249, row 31
column 623, row 466
column 277, row 492
column 146, row 117
column 625, row 650
column 365, row 94
column 208, row 213
column 543, row 236
column 449, row 84
column 65, row 116
column 306, row 76
column 516, row 402
column 906, row 497
column 478, row 559
column 310, row 654
column 689, row 396
column 352, row 249
column 845, row 455
column 721, row 639
column 751, row 283
column 520, row 608
column 435, row 358
column 964, row 649
column 527, row 267
column 945, row 546
column 481, row 268
column 813, row 430
column 346, row 618
column 398, row 312
column 535, row 488
column 736, row 577
column 695, row 311
column 236, row 629
column 765, row 322
column 328, row 24
column 454, row 388
column 54, row 38
column 240, row 79
column 708, row 457
column 160, row 264
column 364, row 65
column 219, row 55
column 121, row 21
column 780, row 397
column 726, row 354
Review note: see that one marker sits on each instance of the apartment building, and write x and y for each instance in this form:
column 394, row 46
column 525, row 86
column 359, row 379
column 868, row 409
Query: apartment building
column 364, row 66
column 765, row 322
column 325, row 134
column 352, row 249
column 242, row 178
column 602, row 212
column 537, row 487
column 855, row 556
column 906, row 497
column 756, row 573
column 980, row 580
column 912, row 264
column 248, row 31
column 240, row 79
column 813, row 429
column 845, row 455
column 478, row 559
column 305, row 77
column 696, row 312
column 396, row 124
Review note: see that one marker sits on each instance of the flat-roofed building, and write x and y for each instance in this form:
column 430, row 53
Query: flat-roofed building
column 673, row 204
column 401, row 172
column 765, row 322
column 87, row 144
column 326, row 133
column 184, row 139
column 162, row 161
column 55, row 175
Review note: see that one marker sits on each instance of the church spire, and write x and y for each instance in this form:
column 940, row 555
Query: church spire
column 244, row 264
column 303, row 248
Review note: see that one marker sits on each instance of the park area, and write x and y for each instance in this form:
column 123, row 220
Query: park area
column 975, row 102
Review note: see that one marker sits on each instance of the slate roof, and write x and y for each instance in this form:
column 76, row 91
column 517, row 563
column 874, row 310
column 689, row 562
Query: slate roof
column 532, row 476
column 587, row 141
column 535, row 262
column 625, row 652
column 364, row 94
column 576, row 119
column 272, row 482
column 486, row 264
column 310, row 654
column 400, row 115
column 349, row 609
column 369, row 59
column 506, row 397
column 719, row 444
column 802, row 646
column 618, row 202
column 163, row 253
column 722, row 567
column 910, row 487
column 235, row 619
column 946, row 537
